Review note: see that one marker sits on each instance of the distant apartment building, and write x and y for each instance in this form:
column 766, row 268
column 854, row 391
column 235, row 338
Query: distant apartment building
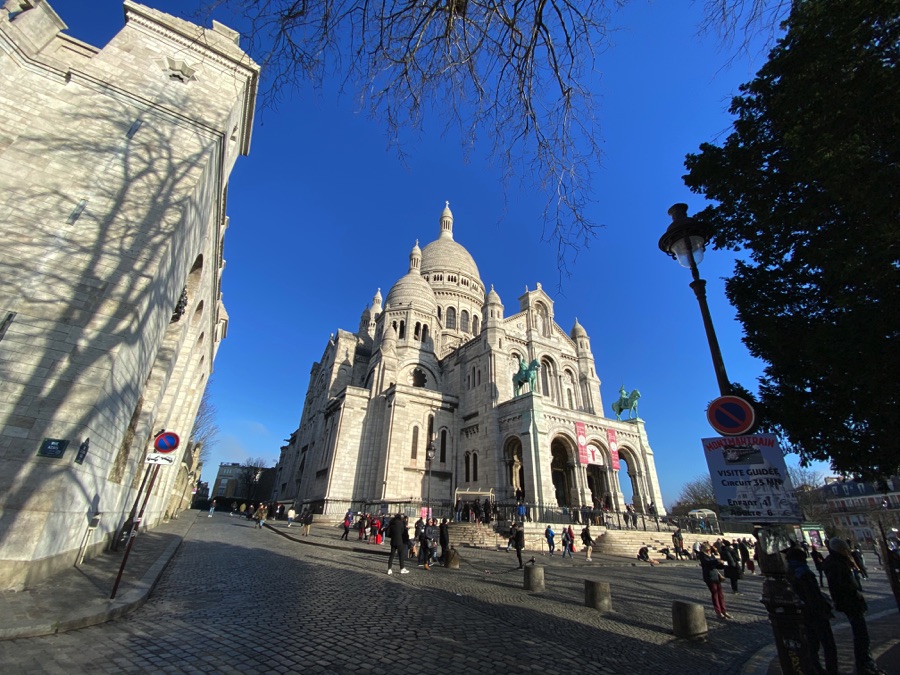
column 243, row 483
column 856, row 506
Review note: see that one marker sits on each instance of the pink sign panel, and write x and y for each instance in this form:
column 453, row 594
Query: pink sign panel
column 613, row 449
column 581, row 437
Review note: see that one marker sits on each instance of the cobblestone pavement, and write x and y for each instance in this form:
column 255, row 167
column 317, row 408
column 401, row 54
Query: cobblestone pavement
column 237, row 599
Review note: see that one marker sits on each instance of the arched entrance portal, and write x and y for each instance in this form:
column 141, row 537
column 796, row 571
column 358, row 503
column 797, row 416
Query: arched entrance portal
column 562, row 470
column 515, row 468
column 598, row 486
column 630, row 469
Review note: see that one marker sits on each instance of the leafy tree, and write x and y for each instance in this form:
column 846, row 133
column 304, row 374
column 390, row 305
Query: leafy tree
column 695, row 494
column 807, row 185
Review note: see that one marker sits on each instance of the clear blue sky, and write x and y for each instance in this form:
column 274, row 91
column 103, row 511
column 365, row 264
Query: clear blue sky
column 322, row 214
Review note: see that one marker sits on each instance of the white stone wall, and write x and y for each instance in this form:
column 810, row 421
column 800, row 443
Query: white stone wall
column 112, row 184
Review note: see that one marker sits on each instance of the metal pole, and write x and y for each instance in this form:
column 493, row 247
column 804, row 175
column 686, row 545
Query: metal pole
column 699, row 287
column 134, row 508
column 135, row 528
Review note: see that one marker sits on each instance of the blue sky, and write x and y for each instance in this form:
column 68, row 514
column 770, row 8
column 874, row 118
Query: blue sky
column 323, row 213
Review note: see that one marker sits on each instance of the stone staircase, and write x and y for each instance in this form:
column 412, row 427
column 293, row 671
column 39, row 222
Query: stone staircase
column 626, row 543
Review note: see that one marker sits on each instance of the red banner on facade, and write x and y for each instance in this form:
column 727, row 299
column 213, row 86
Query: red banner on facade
column 581, row 437
column 613, row 449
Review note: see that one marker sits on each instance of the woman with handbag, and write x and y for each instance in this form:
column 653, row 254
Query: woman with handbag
column 713, row 578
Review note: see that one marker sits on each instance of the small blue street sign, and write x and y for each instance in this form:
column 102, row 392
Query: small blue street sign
column 167, row 441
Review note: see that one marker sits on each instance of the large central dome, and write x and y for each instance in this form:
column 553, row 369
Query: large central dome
column 445, row 255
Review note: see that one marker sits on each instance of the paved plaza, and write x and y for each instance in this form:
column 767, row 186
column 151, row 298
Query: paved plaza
column 237, row 599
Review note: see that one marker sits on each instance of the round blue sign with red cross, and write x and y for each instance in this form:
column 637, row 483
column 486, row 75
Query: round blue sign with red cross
column 167, row 441
column 731, row 415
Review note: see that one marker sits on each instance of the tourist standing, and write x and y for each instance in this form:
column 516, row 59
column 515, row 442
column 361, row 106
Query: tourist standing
column 713, row 578
column 814, row 608
column 444, row 538
column 212, row 508
column 849, row 600
column 520, row 543
column 732, row 567
column 678, row 543
column 398, row 535
column 588, row 541
column 566, row 543
column 291, row 515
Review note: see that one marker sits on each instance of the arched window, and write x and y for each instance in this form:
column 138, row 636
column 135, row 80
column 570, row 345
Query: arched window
column 443, row 445
column 425, row 333
column 478, row 377
column 474, row 325
column 451, row 317
column 440, row 314
column 475, row 467
column 468, row 459
column 417, row 331
column 430, row 427
column 415, row 443
column 571, row 401
column 464, row 321
column 402, row 333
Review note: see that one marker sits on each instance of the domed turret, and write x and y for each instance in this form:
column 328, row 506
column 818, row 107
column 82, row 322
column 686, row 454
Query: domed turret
column 578, row 331
column 445, row 256
column 411, row 289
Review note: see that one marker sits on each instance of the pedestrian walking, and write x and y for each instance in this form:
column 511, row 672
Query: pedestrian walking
column 814, row 608
column 571, row 541
column 291, row 515
column 849, row 600
column 744, row 551
column 458, row 509
column 212, row 508
column 566, row 543
column 430, row 535
column 819, row 562
column 550, row 535
column 306, row 519
column 347, row 523
column 444, row 540
column 710, row 565
column 860, row 561
column 260, row 515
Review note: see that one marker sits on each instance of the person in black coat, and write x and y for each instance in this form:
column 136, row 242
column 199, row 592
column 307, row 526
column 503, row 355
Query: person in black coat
column 444, row 539
column 729, row 555
column 398, row 534
column 848, row 599
column 520, row 543
column 815, row 609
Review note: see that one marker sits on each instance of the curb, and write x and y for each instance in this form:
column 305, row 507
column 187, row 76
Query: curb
column 129, row 601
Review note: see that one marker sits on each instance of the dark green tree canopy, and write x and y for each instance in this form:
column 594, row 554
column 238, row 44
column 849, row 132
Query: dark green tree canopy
column 808, row 187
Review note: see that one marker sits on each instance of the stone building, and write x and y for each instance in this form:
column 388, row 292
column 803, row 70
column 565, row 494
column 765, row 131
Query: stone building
column 114, row 168
column 432, row 364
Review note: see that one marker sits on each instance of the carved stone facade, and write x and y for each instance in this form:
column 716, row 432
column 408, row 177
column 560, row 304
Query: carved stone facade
column 114, row 166
column 433, row 362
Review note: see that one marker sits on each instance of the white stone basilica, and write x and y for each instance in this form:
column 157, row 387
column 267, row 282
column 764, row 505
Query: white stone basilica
column 433, row 363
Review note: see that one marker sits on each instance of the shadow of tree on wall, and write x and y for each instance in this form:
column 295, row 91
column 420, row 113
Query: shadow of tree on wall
column 95, row 295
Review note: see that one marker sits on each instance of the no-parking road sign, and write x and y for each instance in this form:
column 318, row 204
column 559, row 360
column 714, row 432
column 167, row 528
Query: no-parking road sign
column 731, row 415
column 167, row 441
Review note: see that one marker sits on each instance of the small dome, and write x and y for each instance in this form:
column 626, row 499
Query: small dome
column 492, row 298
column 578, row 331
column 412, row 289
column 445, row 255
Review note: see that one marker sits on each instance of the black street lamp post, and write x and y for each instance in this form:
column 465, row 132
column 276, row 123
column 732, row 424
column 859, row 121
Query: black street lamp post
column 686, row 240
column 429, row 455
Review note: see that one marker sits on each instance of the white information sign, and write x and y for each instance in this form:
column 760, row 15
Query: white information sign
column 159, row 458
column 750, row 479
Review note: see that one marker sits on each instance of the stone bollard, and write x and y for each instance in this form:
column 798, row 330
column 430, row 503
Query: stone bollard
column 688, row 620
column 534, row 578
column 596, row 595
column 452, row 561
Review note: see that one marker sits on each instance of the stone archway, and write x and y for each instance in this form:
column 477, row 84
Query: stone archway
column 562, row 473
column 631, row 466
